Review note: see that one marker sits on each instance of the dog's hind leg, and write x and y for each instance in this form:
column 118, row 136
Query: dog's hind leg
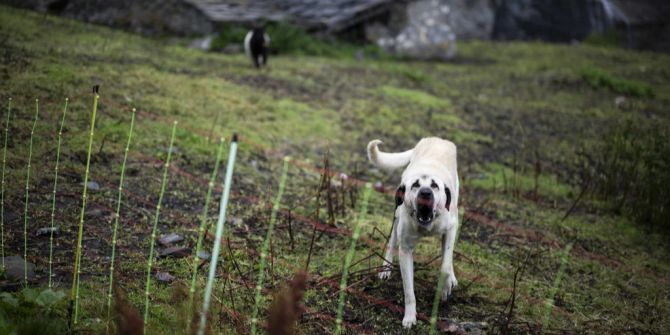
column 447, row 268
column 391, row 248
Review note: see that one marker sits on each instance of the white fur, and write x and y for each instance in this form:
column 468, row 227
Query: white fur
column 431, row 159
column 247, row 43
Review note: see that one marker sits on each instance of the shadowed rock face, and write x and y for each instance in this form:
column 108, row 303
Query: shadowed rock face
column 641, row 23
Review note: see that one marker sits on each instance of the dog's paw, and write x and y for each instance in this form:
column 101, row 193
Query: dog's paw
column 409, row 320
column 385, row 273
column 450, row 284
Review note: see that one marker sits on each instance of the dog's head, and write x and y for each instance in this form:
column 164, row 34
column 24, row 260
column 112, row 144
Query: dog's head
column 425, row 195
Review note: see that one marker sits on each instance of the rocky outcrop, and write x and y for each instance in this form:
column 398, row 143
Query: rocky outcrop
column 640, row 24
column 425, row 31
column 472, row 19
column 144, row 16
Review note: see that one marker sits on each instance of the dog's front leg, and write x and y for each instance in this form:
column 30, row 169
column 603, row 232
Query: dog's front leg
column 447, row 268
column 406, row 262
column 392, row 246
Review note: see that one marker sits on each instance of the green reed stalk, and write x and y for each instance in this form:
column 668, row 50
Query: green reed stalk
column 153, row 231
column 116, row 217
column 2, row 191
column 74, row 292
column 53, row 201
column 25, row 214
column 350, row 257
column 219, row 233
column 266, row 246
column 443, row 279
column 549, row 305
column 201, row 232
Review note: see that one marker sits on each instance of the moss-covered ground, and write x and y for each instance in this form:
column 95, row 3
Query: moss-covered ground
column 520, row 113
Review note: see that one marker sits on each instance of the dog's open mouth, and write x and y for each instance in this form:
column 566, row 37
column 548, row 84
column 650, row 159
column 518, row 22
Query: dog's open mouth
column 424, row 211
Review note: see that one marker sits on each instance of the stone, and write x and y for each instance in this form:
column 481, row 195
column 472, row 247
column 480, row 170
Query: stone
column 92, row 185
column 427, row 34
column 204, row 255
column 204, row 43
column 14, row 269
column 164, row 277
column 170, row 239
column 47, row 231
column 176, row 252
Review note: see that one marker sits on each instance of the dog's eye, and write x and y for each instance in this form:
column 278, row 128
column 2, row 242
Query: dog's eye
column 416, row 184
column 433, row 184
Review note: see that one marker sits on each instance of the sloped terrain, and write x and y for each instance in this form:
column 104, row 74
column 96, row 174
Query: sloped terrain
column 526, row 118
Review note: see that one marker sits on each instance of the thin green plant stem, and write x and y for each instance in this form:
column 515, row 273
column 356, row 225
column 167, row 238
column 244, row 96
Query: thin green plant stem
column 201, row 232
column 2, row 192
column 53, row 200
column 350, row 256
column 442, row 279
column 155, row 225
column 266, row 246
column 25, row 213
column 218, row 235
column 74, row 291
column 549, row 304
column 116, row 217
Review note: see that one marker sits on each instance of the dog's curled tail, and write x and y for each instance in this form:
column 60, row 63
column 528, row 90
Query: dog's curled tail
column 388, row 160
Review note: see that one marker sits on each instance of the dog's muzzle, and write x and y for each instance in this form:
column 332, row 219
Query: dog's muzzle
column 425, row 204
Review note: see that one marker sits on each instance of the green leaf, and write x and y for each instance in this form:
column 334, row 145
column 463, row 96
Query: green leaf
column 9, row 299
column 49, row 298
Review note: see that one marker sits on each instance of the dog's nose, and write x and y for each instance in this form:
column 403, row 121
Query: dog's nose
column 426, row 193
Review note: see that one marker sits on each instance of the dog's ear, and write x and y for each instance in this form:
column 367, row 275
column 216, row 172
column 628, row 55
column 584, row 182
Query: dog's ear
column 448, row 193
column 399, row 195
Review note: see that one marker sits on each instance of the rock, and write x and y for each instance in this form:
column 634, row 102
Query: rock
column 169, row 239
column 472, row 19
column 461, row 328
column 47, row 231
column 176, row 252
column 620, row 102
column 204, row 255
column 14, row 269
column 164, row 277
column 204, row 43
column 92, row 186
column 427, row 34
column 554, row 20
column 94, row 212
column 235, row 221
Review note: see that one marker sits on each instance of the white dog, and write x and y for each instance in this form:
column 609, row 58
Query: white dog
column 426, row 204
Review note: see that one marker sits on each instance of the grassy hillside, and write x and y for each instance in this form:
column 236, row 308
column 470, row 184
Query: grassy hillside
column 530, row 121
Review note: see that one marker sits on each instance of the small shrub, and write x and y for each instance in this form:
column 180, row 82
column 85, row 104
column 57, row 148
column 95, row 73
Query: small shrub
column 609, row 38
column 228, row 35
column 33, row 311
column 598, row 79
column 630, row 171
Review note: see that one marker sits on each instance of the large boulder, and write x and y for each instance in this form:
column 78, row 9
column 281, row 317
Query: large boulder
column 424, row 31
column 472, row 19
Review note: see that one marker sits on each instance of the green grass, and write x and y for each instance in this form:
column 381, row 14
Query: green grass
column 505, row 105
column 598, row 78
